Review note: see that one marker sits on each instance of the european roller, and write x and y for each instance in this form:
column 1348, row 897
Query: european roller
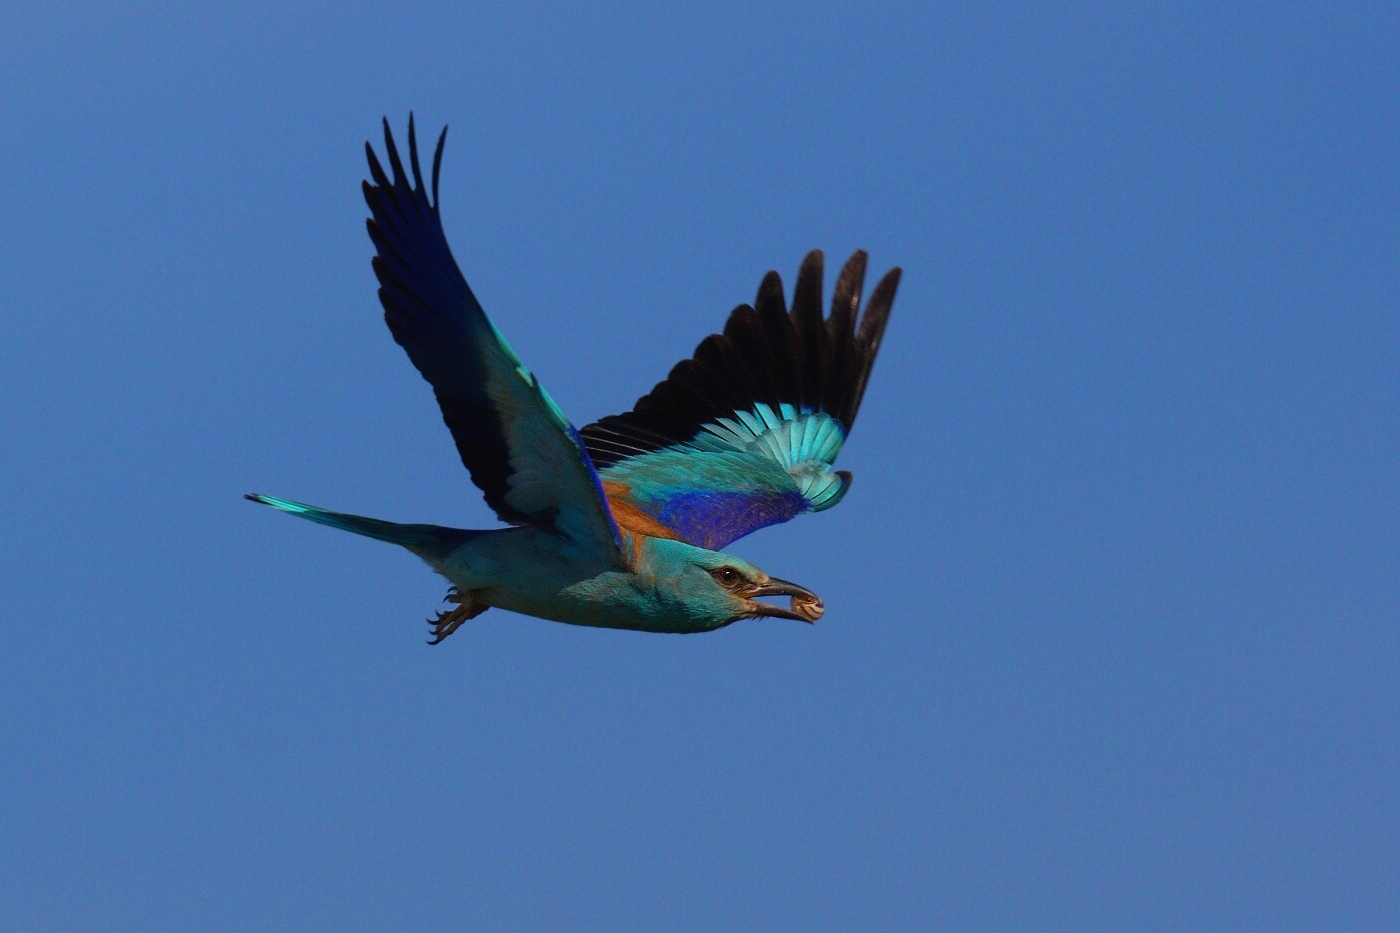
column 621, row 524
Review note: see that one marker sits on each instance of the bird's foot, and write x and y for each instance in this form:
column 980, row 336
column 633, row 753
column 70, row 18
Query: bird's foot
column 470, row 604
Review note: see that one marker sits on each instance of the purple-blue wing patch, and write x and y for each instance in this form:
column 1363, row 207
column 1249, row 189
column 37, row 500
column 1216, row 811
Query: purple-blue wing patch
column 709, row 498
column 714, row 519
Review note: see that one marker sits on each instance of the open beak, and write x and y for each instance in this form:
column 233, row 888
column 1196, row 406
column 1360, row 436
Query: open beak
column 806, row 605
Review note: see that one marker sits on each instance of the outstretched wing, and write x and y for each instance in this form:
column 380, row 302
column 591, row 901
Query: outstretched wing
column 520, row 449
column 743, row 435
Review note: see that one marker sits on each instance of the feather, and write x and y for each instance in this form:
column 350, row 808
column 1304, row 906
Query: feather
column 782, row 385
column 529, row 462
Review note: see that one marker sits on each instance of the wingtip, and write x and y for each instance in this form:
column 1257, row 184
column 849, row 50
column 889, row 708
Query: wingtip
column 891, row 279
column 413, row 153
column 845, row 299
column 382, row 179
column 877, row 310
column 770, row 299
column 376, row 170
column 437, row 163
column 388, row 135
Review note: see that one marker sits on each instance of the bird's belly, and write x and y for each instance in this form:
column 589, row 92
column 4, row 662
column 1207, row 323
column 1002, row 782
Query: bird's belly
column 593, row 602
column 530, row 572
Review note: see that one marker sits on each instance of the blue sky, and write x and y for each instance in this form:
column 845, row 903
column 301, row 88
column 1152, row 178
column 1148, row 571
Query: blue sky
column 1111, row 639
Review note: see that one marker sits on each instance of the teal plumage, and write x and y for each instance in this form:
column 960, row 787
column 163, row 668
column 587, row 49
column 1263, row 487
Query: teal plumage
column 621, row 524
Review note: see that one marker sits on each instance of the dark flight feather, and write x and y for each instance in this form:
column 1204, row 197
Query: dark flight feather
column 418, row 277
column 766, row 354
column 519, row 447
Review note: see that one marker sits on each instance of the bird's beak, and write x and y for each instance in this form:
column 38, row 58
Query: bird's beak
column 806, row 605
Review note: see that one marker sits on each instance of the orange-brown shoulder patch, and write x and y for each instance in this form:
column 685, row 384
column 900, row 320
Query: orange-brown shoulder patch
column 630, row 518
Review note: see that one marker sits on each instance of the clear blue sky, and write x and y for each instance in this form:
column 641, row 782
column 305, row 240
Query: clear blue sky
column 1113, row 624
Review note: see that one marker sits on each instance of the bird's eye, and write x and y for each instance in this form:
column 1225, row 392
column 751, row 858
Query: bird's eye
column 727, row 576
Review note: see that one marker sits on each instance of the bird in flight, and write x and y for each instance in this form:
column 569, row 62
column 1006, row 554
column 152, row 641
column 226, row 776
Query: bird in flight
column 620, row 525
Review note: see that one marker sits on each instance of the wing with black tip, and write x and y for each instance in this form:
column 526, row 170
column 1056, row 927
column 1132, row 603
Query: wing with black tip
column 744, row 434
column 522, row 452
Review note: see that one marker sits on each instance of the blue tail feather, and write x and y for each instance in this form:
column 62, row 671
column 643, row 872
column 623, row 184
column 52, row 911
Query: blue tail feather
column 429, row 541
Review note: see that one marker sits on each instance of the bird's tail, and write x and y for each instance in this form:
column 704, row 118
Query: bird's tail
column 433, row 542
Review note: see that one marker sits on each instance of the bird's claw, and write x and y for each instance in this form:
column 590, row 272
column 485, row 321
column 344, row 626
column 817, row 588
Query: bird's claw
column 469, row 606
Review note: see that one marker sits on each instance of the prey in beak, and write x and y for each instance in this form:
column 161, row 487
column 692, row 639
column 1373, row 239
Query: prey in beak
column 806, row 606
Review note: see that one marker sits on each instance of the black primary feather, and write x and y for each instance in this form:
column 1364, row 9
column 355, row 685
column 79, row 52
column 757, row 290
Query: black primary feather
column 766, row 354
column 431, row 311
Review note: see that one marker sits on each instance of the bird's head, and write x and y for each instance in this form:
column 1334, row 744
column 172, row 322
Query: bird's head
column 722, row 588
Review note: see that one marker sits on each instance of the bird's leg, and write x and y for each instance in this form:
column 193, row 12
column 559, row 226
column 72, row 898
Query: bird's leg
column 470, row 604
